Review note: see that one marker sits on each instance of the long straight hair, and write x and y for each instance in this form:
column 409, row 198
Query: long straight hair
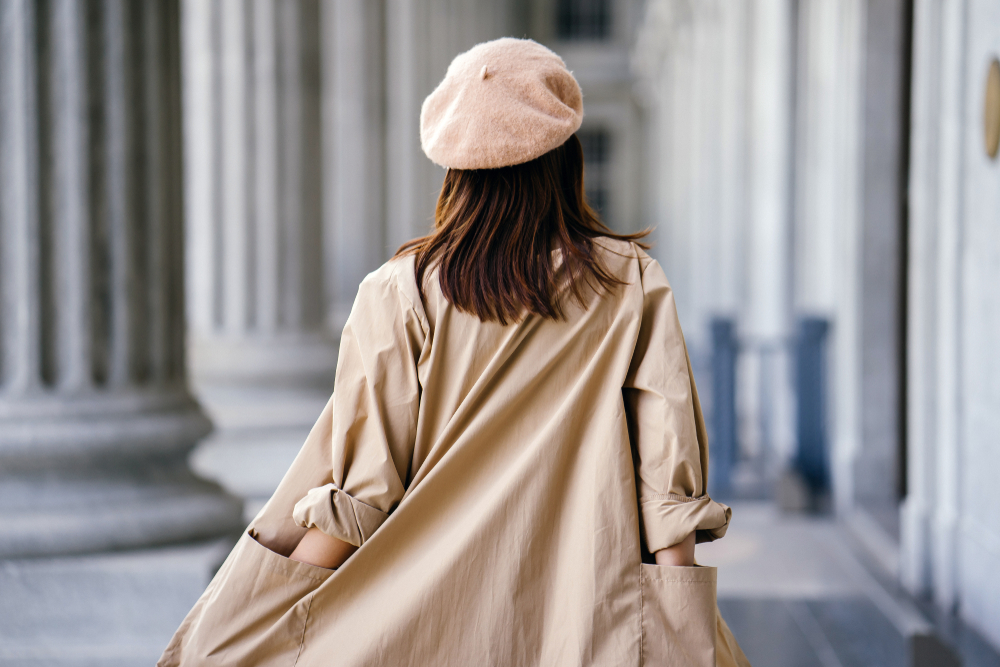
column 495, row 231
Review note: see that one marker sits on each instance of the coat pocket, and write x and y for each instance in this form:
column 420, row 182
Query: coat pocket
column 255, row 613
column 678, row 616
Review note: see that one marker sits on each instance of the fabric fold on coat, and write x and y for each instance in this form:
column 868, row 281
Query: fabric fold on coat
column 670, row 519
column 338, row 514
column 666, row 427
column 374, row 413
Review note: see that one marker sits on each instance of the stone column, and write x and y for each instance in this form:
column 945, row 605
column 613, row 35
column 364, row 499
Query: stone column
column 718, row 80
column 95, row 416
column 422, row 37
column 878, row 464
column 262, row 356
column 254, row 146
column 353, row 52
column 304, row 174
column 937, row 551
column 827, row 220
column 767, row 313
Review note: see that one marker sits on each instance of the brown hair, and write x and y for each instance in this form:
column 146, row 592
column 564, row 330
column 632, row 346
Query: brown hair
column 494, row 230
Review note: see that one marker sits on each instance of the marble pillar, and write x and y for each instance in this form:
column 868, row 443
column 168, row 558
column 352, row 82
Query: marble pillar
column 304, row 174
column 717, row 82
column 253, row 143
column 263, row 356
column 848, row 234
column 95, row 416
column 827, row 211
column 934, row 511
column 917, row 510
column 969, row 265
column 354, row 149
column 767, row 314
column 422, row 37
column 878, row 464
column 304, row 168
column 950, row 528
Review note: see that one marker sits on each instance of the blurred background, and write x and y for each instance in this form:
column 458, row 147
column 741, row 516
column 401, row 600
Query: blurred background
column 191, row 192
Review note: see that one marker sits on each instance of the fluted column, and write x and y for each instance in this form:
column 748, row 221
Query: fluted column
column 95, row 416
column 767, row 314
column 717, row 86
column 422, row 37
column 353, row 88
column 254, row 146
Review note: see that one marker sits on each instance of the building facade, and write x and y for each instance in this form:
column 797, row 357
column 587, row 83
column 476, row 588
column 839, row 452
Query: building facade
column 800, row 161
column 595, row 39
column 951, row 535
column 832, row 160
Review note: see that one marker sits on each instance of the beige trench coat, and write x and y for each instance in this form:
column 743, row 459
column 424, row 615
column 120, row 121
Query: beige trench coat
column 486, row 473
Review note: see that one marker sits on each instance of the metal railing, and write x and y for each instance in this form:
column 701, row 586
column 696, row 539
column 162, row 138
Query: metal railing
column 749, row 380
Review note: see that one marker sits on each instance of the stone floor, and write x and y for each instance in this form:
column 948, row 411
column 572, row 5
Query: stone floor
column 796, row 593
column 793, row 588
column 112, row 610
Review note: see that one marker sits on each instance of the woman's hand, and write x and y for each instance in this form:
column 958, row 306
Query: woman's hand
column 319, row 549
column 681, row 553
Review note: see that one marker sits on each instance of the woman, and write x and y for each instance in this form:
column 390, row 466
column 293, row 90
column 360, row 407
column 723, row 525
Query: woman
column 514, row 426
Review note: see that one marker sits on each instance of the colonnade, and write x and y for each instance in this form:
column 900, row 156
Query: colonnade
column 832, row 159
column 302, row 171
column 253, row 185
column 304, row 168
column 779, row 134
column 950, row 531
column 95, row 415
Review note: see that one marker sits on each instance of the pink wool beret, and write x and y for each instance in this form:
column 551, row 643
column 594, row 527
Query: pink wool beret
column 501, row 103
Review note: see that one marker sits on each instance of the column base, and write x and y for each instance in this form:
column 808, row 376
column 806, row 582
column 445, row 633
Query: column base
column 282, row 360
column 102, row 472
column 52, row 516
column 259, row 431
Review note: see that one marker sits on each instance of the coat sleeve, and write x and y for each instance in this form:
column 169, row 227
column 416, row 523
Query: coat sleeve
column 666, row 428
column 375, row 404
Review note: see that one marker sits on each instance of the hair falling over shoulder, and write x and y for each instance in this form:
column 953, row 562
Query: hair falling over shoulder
column 495, row 231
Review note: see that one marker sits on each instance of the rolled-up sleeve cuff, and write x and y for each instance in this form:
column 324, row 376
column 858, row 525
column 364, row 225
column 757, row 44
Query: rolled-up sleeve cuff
column 669, row 518
column 338, row 514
